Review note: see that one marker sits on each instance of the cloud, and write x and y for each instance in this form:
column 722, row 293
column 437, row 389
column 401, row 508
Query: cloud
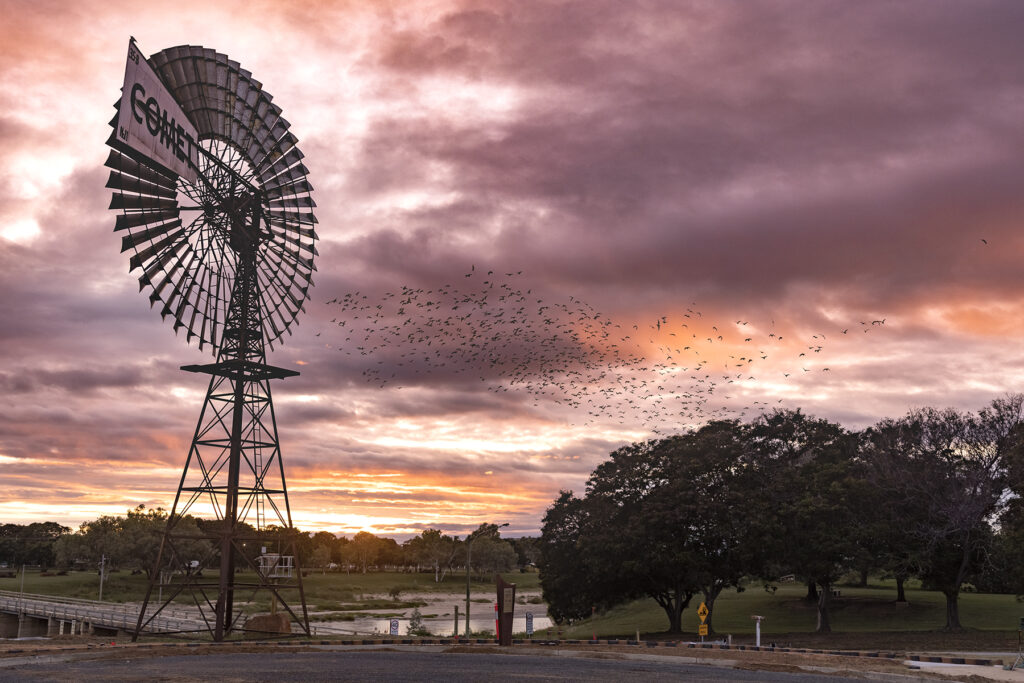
column 801, row 167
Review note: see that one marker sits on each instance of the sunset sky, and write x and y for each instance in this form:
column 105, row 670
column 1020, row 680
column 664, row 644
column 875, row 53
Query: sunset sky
column 784, row 171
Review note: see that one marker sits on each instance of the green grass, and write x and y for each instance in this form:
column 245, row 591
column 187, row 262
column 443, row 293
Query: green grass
column 118, row 587
column 335, row 591
column 870, row 610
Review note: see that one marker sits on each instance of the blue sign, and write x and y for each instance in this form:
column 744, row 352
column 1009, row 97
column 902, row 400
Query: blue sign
column 529, row 624
column 394, row 627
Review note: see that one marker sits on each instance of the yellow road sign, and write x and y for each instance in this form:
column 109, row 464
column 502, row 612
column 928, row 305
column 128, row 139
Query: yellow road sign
column 702, row 630
column 702, row 612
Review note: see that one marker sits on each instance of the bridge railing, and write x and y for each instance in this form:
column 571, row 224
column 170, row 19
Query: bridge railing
column 109, row 614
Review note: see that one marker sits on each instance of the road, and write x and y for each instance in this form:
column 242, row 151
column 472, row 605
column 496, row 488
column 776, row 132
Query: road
column 380, row 665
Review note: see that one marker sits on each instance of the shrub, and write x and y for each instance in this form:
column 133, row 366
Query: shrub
column 416, row 627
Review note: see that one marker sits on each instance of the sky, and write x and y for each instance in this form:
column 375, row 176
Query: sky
column 715, row 186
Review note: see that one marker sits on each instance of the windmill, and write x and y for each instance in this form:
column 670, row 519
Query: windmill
column 216, row 212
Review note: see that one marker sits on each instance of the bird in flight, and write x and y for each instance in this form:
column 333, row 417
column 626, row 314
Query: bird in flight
column 561, row 352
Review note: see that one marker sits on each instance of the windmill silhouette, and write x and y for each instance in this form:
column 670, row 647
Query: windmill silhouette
column 217, row 215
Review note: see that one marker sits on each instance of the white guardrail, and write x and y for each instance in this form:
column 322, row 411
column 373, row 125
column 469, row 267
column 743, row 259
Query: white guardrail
column 123, row 616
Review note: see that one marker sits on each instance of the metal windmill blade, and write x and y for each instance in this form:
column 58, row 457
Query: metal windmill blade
column 179, row 229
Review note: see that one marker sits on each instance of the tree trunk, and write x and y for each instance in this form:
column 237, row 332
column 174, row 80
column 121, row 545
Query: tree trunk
column 675, row 617
column 675, row 620
column 824, row 599
column 812, row 592
column 901, row 595
column 863, row 577
column 709, row 602
column 673, row 603
column 952, row 609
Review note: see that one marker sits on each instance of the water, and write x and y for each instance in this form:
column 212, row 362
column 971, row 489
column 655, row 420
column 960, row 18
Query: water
column 439, row 626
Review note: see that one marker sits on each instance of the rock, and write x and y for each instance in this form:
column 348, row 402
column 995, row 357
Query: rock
column 260, row 625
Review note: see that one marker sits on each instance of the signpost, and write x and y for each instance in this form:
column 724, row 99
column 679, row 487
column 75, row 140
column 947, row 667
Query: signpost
column 394, row 627
column 505, row 610
column 702, row 629
column 529, row 624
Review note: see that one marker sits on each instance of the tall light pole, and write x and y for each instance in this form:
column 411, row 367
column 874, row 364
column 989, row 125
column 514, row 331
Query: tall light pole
column 469, row 558
column 103, row 573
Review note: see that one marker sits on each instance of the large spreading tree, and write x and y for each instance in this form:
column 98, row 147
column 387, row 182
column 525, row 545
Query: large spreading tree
column 663, row 519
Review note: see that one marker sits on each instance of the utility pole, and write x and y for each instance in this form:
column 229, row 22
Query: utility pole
column 469, row 561
column 103, row 573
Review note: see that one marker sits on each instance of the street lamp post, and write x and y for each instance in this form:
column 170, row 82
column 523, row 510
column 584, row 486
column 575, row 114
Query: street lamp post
column 469, row 558
column 103, row 574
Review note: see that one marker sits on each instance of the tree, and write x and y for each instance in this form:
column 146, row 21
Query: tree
column 639, row 531
column 30, row 543
column 434, row 549
column 140, row 533
column 1004, row 570
column 493, row 555
column 896, row 517
column 321, row 556
column 810, row 487
column 133, row 541
column 705, row 506
column 952, row 467
column 489, row 552
column 631, row 556
column 389, row 553
column 566, row 577
column 364, row 549
column 340, row 553
column 94, row 540
column 527, row 550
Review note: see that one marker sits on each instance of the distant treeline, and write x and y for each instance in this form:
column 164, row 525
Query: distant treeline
column 131, row 542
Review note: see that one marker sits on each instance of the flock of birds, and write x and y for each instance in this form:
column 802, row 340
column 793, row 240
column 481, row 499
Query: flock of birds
column 668, row 373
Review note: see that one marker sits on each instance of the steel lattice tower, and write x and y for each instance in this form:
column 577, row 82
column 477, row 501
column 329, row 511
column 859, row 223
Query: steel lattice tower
column 234, row 467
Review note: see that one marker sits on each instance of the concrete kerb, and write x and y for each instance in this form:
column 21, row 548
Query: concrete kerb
column 626, row 644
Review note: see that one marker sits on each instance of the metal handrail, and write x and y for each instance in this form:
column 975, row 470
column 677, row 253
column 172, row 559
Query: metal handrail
column 107, row 606
column 122, row 615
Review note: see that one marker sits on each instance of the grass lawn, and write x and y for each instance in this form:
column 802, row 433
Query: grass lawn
column 118, row 587
column 332, row 591
column 860, row 618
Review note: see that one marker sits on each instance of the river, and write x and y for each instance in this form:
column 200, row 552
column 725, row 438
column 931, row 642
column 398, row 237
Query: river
column 438, row 626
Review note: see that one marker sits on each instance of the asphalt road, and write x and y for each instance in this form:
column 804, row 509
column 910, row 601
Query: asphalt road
column 379, row 665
